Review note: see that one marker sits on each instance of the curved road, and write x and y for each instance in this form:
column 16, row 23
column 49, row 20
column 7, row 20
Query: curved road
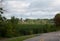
column 53, row 36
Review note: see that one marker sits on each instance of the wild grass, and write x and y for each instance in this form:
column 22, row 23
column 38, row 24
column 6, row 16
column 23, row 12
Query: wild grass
column 21, row 38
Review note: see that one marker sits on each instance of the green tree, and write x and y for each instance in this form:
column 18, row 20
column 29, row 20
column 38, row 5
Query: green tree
column 1, row 20
column 14, row 20
column 57, row 19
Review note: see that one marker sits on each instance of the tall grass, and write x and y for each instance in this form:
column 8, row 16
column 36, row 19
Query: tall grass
column 21, row 38
column 27, row 29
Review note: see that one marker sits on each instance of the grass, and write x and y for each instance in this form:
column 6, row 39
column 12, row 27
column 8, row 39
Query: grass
column 20, row 38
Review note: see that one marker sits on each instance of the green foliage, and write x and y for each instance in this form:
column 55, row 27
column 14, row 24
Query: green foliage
column 12, row 28
column 1, row 10
column 26, row 29
column 14, row 20
column 57, row 19
column 21, row 38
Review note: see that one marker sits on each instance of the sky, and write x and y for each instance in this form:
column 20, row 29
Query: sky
column 32, row 9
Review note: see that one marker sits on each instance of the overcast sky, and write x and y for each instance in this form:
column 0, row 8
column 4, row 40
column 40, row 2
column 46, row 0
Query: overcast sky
column 31, row 8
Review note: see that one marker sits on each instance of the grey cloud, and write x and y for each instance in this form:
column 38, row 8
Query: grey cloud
column 37, row 9
column 43, row 5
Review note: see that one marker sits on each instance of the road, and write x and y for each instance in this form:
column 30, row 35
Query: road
column 53, row 36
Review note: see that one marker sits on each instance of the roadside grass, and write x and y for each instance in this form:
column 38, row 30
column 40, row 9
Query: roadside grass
column 20, row 38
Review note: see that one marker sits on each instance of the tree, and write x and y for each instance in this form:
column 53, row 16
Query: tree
column 57, row 19
column 14, row 20
column 1, row 10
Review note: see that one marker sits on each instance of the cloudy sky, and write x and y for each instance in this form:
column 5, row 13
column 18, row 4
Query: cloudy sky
column 31, row 8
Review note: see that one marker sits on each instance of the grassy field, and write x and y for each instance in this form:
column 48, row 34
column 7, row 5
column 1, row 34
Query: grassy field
column 19, row 38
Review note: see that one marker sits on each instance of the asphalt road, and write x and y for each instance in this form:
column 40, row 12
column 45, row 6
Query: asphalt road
column 53, row 36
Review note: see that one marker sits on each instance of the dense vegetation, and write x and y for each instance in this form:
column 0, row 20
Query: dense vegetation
column 21, row 38
column 57, row 19
column 16, row 27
